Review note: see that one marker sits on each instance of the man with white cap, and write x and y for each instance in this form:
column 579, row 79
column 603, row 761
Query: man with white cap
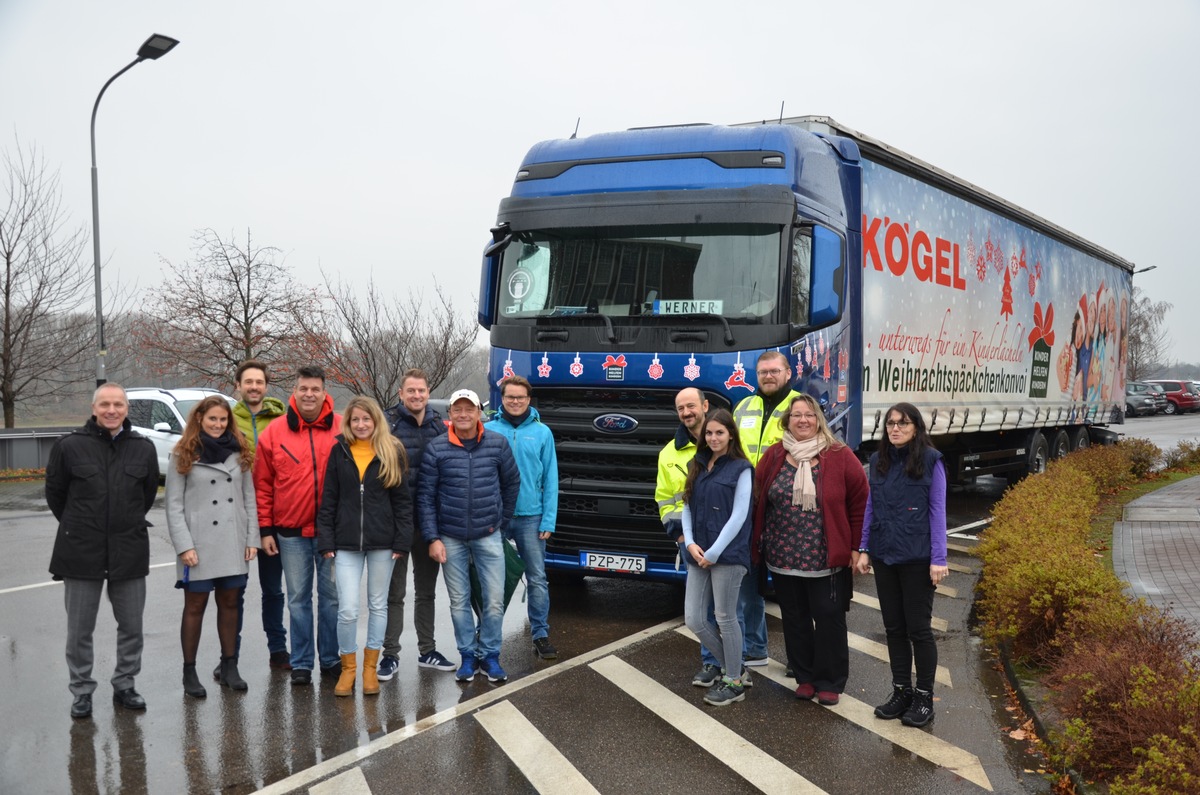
column 466, row 493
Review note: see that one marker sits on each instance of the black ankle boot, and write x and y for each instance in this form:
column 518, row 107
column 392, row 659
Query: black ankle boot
column 191, row 682
column 897, row 705
column 229, row 674
column 921, row 712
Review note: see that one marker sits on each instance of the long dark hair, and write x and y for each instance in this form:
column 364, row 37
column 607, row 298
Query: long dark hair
column 914, row 451
column 722, row 417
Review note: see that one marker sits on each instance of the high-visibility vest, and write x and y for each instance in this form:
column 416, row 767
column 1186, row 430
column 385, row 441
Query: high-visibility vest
column 673, row 463
column 759, row 434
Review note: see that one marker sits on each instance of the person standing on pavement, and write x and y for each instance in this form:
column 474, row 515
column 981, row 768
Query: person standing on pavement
column 253, row 413
column 812, row 494
column 716, row 532
column 467, row 494
column 213, row 522
column 904, row 538
column 365, row 521
column 289, row 474
column 759, row 420
column 414, row 423
column 101, row 480
column 533, row 521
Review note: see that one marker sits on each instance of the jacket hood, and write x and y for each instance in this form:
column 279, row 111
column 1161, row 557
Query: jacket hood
column 323, row 422
column 399, row 412
column 271, row 407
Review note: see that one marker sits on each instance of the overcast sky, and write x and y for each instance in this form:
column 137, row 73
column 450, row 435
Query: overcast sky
column 378, row 138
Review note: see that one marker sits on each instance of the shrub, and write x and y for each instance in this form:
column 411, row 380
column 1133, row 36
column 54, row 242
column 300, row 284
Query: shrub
column 1170, row 765
column 1107, row 465
column 1144, row 455
column 1184, row 455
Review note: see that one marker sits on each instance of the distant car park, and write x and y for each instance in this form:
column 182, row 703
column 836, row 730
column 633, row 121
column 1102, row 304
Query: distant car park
column 1180, row 395
column 160, row 415
column 1135, row 403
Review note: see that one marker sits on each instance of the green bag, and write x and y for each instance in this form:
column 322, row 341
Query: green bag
column 514, row 571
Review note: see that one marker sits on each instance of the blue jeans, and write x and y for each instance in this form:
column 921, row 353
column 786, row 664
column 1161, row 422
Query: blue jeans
column 524, row 530
column 270, row 578
column 488, row 554
column 300, row 560
column 752, row 617
column 348, row 570
column 715, row 591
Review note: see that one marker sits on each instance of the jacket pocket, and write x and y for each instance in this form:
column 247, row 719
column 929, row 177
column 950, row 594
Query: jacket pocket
column 85, row 471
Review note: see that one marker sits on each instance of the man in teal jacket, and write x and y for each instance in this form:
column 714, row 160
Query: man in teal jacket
column 533, row 521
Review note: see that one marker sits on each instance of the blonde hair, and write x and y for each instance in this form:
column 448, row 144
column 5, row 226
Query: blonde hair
column 393, row 460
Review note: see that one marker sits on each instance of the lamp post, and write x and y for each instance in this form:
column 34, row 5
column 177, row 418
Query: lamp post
column 153, row 48
column 1143, row 270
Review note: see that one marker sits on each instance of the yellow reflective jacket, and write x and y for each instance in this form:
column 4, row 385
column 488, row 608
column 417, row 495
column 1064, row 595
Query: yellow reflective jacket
column 759, row 434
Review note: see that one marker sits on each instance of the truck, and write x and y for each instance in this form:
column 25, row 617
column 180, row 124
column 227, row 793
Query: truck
column 625, row 266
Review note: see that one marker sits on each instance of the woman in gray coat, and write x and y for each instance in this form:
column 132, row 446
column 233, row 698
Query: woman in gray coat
column 213, row 522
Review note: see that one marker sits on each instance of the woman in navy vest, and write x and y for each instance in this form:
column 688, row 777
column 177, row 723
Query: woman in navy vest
column 716, row 534
column 904, row 536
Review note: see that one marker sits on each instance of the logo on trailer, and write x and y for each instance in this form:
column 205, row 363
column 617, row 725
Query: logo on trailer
column 655, row 370
column 614, row 423
column 739, row 376
column 544, row 368
column 507, row 372
column 692, row 371
column 614, row 368
column 576, row 368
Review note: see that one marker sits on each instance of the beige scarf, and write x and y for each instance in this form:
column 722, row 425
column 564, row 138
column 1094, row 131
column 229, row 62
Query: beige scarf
column 804, row 491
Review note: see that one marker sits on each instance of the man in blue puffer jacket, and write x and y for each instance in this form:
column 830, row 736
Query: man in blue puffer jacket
column 466, row 494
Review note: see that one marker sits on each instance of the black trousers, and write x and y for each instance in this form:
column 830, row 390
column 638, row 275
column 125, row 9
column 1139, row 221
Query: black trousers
column 813, row 610
column 906, row 602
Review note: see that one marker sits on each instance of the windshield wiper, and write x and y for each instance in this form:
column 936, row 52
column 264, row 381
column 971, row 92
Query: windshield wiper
column 724, row 322
column 612, row 335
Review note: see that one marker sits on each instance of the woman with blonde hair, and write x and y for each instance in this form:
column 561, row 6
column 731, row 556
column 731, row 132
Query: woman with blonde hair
column 213, row 522
column 365, row 521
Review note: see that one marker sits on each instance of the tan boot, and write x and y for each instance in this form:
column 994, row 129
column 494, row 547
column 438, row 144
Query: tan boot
column 345, row 682
column 370, row 679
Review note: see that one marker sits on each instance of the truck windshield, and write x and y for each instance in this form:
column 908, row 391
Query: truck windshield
column 732, row 270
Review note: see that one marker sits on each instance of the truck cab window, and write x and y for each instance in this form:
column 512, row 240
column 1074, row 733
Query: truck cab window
column 801, row 277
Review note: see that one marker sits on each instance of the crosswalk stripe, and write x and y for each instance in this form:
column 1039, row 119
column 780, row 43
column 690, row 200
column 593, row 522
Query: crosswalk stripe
column 959, row 567
column 925, row 745
column 966, row 550
column 863, row 599
column 535, row 756
column 859, row 644
column 352, row 782
column 747, row 760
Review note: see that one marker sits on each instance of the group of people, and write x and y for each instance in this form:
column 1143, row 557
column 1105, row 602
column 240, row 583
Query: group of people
column 768, row 488
column 317, row 498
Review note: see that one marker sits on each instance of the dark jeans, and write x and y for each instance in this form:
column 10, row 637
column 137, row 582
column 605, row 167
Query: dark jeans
column 270, row 577
column 906, row 601
column 425, row 574
column 813, row 610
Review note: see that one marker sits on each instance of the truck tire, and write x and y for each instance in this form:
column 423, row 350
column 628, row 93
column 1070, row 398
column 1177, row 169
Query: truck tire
column 1061, row 445
column 1039, row 454
column 1080, row 439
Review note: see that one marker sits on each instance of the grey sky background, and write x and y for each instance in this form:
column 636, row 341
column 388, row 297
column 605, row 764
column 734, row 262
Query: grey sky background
column 378, row 138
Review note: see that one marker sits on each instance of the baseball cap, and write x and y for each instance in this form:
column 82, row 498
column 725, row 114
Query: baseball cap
column 465, row 394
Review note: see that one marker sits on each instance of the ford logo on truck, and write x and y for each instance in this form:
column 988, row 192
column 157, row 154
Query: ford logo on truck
column 615, row 423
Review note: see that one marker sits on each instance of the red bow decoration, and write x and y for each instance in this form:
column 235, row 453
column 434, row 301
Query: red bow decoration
column 1043, row 328
column 617, row 362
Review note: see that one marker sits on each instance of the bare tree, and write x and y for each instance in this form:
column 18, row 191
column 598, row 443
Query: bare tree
column 372, row 339
column 229, row 303
column 44, row 338
column 1148, row 340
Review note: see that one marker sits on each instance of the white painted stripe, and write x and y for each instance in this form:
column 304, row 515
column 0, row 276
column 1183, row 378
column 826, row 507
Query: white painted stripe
column 863, row 599
column 856, row 642
column 762, row 770
column 535, row 756
column 354, row 755
column 352, row 782
column 923, row 744
column 960, row 548
column 970, row 525
column 59, row 582
column 959, row 567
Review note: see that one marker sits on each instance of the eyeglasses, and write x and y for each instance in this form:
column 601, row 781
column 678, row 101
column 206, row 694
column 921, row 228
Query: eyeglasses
column 776, row 371
column 802, row 416
column 898, row 423
column 516, row 398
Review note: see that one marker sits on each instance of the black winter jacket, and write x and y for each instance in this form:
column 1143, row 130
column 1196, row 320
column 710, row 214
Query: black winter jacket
column 361, row 515
column 99, row 489
column 414, row 437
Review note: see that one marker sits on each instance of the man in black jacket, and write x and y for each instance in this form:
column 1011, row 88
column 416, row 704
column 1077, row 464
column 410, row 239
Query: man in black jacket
column 101, row 480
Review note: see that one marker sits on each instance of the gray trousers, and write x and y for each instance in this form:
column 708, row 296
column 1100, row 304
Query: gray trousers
column 82, row 598
column 425, row 574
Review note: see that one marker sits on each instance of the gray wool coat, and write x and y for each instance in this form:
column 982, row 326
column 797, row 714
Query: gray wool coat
column 212, row 510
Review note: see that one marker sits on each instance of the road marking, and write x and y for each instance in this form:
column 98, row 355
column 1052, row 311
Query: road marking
column 59, row 582
column 969, row 526
column 959, row 567
column 963, row 548
column 941, row 753
column 747, row 760
column 352, row 782
column 535, row 756
column 856, row 642
column 358, row 754
column 863, row 599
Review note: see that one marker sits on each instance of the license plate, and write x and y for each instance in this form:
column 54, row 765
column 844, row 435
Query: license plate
column 605, row 561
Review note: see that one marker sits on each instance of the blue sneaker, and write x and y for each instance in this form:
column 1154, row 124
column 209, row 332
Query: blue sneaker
column 387, row 667
column 435, row 660
column 491, row 667
column 467, row 672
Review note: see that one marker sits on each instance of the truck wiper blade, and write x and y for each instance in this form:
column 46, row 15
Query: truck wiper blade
column 724, row 322
column 612, row 335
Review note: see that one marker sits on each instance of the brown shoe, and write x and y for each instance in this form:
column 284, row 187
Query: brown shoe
column 370, row 675
column 345, row 682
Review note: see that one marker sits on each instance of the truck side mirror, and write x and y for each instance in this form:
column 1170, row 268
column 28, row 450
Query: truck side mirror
column 489, row 275
column 828, row 277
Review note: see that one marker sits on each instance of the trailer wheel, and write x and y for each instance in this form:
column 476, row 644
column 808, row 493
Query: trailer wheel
column 1080, row 439
column 1061, row 445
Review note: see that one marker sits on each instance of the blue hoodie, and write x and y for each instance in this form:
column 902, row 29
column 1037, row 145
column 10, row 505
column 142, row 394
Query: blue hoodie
column 532, row 445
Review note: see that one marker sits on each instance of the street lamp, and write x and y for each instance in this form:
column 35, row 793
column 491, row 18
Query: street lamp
column 1143, row 270
column 153, row 48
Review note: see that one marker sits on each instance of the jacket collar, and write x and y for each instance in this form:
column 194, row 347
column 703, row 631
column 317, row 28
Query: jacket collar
column 683, row 438
column 323, row 422
column 454, row 436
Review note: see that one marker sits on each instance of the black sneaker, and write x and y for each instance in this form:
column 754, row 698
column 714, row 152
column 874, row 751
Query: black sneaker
column 331, row 671
column 897, row 705
column 280, row 660
column 387, row 667
column 707, row 676
column 920, row 712
column 301, row 676
column 545, row 649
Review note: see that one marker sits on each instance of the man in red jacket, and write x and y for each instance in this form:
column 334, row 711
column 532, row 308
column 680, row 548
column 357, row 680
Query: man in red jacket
column 289, row 474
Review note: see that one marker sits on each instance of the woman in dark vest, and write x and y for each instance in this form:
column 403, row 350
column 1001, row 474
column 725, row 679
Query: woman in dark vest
column 716, row 534
column 904, row 537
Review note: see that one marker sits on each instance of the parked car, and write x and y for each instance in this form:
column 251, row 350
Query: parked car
column 1180, row 397
column 1143, row 388
column 160, row 414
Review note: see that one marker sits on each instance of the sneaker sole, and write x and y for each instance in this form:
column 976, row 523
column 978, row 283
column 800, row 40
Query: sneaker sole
column 914, row 724
column 738, row 697
column 702, row 683
column 756, row 663
column 470, row 678
column 448, row 666
column 497, row 680
column 384, row 677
